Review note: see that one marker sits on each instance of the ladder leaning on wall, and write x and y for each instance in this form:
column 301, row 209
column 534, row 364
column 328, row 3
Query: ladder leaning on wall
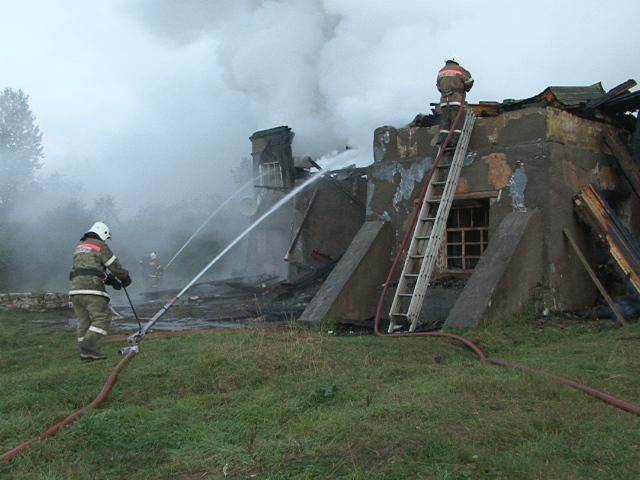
column 429, row 232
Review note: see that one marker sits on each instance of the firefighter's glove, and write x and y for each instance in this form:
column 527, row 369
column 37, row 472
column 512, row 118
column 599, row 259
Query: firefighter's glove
column 113, row 281
column 126, row 281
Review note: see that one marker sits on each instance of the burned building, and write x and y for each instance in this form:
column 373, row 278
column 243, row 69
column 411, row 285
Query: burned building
column 311, row 232
column 512, row 212
column 274, row 172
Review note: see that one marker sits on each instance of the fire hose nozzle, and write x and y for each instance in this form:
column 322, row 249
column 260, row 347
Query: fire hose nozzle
column 127, row 350
column 135, row 339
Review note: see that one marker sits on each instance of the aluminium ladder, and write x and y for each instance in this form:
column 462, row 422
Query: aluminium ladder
column 429, row 232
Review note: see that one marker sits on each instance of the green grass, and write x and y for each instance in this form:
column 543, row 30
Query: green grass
column 295, row 403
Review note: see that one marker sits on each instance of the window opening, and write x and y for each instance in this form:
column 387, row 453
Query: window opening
column 271, row 174
column 467, row 236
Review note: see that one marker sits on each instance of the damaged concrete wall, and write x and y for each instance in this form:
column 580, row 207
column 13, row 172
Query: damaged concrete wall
column 506, row 274
column 333, row 218
column 534, row 158
column 313, row 229
column 351, row 291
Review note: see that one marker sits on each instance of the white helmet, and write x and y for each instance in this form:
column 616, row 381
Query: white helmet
column 153, row 255
column 101, row 230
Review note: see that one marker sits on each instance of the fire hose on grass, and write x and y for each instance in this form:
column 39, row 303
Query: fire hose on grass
column 97, row 402
column 129, row 353
column 605, row 397
column 134, row 340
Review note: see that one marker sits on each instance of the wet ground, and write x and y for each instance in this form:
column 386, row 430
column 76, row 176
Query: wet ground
column 221, row 304
column 180, row 318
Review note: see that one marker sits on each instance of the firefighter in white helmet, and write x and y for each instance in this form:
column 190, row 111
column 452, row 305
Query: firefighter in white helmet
column 91, row 260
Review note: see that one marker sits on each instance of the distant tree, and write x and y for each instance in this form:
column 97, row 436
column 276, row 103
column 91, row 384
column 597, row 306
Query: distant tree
column 20, row 145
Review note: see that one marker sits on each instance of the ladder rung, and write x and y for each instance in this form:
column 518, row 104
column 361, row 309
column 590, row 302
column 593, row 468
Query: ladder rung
column 423, row 255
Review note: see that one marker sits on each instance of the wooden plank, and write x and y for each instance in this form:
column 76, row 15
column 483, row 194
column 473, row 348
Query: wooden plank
column 596, row 281
column 625, row 161
column 593, row 210
column 614, row 92
column 296, row 236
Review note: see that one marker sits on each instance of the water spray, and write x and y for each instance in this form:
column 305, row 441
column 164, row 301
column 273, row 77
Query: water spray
column 135, row 339
column 213, row 214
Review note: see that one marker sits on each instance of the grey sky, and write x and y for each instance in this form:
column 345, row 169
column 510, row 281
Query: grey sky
column 151, row 100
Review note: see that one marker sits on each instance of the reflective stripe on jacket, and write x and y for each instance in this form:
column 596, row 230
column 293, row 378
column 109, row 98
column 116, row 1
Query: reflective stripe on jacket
column 452, row 82
column 93, row 254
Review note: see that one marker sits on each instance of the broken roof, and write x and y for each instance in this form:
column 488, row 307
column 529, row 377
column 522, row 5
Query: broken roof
column 585, row 100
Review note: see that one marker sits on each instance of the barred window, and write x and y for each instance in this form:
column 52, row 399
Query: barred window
column 467, row 235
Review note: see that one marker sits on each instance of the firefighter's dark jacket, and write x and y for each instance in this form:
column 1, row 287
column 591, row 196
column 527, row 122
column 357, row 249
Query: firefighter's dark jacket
column 91, row 259
column 452, row 82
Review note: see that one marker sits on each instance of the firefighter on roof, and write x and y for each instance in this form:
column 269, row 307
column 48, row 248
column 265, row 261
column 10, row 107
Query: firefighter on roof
column 91, row 259
column 453, row 82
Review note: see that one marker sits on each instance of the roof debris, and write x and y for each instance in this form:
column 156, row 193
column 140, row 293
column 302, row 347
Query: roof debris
column 593, row 210
column 588, row 101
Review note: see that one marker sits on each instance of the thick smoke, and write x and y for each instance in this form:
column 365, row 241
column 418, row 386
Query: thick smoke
column 152, row 102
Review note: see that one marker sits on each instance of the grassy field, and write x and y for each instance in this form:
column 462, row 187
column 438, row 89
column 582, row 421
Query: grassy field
column 297, row 403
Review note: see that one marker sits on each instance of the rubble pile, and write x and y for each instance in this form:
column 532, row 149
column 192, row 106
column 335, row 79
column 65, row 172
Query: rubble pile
column 34, row 302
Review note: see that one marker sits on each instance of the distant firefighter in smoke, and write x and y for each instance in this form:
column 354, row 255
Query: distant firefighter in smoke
column 91, row 259
column 152, row 270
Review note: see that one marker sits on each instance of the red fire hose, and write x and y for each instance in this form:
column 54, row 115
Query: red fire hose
column 605, row 397
column 99, row 400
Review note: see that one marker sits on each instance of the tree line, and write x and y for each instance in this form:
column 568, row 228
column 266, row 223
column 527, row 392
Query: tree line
column 42, row 218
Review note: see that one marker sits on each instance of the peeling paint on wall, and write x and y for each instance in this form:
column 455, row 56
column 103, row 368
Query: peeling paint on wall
column 408, row 143
column 384, row 217
column 470, row 158
column 409, row 178
column 464, row 185
column 380, row 148
column 517, row 186
column 499, row 171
